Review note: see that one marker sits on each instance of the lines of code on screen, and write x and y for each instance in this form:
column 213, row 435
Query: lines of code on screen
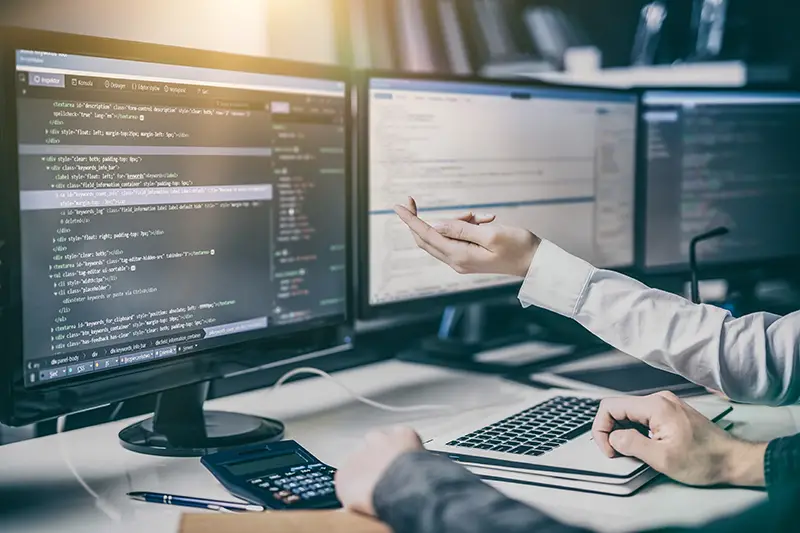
column 722, row 159
column 164, row 216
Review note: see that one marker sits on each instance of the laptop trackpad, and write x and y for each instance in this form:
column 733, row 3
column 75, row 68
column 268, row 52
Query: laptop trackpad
column 584, row 455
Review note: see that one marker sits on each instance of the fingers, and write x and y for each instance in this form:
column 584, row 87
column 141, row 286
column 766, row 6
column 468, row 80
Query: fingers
column 464, row 231
column 472, row 218
column 631, row 443
column 429, row 248
column 615, row 410
column 412, row 205
column 484, row 218
column 426, row 233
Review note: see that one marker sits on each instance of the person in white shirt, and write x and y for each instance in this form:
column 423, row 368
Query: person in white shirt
column 751, row 359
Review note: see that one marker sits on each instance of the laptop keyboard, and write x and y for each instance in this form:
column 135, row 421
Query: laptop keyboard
column 537, row 430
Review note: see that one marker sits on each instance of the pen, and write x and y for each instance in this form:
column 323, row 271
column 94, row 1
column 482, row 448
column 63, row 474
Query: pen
column 199, row 503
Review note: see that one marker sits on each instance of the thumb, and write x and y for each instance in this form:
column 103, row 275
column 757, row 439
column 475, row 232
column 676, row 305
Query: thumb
column 631, row 443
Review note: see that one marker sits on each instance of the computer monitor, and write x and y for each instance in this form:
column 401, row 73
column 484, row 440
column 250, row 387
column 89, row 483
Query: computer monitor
column 714, row 158
column 557, row 160
column 169, row 216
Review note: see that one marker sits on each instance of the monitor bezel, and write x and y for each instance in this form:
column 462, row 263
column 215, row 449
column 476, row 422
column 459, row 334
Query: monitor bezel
column 778, row 265
column 23, row 405
column 369, row 311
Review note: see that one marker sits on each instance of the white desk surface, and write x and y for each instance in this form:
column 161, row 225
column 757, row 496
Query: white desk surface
column 40, row 495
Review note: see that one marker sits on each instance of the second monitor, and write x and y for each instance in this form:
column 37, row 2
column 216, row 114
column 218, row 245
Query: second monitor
column 558, row 161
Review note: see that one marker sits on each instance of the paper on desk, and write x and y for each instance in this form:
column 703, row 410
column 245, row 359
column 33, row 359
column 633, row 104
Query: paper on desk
column 523, row 353
column 281, row 522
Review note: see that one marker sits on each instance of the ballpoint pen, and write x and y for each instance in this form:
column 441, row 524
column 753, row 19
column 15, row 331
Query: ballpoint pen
column 199, row 503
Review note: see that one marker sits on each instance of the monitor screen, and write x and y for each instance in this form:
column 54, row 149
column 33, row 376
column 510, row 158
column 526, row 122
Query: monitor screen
column 167, row 209
column 721, row 158
column 559, row 162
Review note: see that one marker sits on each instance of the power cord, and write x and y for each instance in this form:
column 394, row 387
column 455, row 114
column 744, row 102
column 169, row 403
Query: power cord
column 105, row 507
column 372, row 403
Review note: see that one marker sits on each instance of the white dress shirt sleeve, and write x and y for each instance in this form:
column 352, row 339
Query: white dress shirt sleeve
column 755, row 358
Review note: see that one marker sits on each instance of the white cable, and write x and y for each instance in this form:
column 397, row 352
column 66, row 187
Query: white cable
column 106, row 508
column 114, row 515
column 356, row 396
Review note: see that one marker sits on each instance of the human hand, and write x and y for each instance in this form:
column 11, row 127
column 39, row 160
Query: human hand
column 683, row 444
column 470, row 245
column 356, row 481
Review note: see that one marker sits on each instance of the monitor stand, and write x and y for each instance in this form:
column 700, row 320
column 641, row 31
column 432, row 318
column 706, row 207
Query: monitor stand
column 180, row 427
column 462, row 335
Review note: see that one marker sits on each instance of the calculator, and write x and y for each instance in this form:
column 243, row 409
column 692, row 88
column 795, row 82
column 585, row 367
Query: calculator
column 278, row 475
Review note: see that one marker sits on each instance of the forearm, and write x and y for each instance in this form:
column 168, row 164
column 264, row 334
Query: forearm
column 753, row 359
column 424, row 493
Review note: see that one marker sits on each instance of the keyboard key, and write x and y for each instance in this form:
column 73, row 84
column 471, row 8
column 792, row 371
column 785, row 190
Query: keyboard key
column 501, row 448
column 521, row 450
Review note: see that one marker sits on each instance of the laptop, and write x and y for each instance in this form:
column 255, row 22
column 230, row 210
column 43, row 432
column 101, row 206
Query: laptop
column 547, row 439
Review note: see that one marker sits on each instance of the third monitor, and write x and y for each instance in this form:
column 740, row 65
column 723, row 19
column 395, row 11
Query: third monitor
column 714, row 158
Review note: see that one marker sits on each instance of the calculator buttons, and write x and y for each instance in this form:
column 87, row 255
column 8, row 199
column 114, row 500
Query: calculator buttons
column 297, row 485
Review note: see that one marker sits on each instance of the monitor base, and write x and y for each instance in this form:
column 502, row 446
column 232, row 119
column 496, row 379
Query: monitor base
column 463, row 333
column 180, row 427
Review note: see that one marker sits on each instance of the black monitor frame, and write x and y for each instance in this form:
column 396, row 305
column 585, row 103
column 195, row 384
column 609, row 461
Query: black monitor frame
column 778, row 265
column 20, row 405
column 367, row 311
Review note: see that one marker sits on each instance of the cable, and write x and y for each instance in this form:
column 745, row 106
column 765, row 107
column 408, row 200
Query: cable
column 355, row 395
column 115, row 412
column 106, row 508
column 114, row 515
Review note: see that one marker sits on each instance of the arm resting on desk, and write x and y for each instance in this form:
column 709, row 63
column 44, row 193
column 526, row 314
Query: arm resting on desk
column 425, row 493
column 755, row 358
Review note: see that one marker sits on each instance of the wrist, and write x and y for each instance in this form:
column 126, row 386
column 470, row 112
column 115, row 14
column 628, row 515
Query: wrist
column 743, row 464
column 527, row 259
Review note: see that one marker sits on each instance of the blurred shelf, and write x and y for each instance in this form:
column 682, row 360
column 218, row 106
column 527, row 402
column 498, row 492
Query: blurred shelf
column 718, row 74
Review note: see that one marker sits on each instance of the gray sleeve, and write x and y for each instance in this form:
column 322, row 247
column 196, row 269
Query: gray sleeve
column 425, row 493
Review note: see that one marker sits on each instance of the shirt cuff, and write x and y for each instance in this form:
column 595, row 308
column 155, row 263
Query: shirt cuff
column 556, row 280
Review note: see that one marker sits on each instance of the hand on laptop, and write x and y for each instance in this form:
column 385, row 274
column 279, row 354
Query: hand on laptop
column 683, row 444
column 470, row 245
column 356, row 481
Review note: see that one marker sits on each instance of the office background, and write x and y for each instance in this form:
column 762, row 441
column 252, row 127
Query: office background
column 557, row 40
column 462, row 36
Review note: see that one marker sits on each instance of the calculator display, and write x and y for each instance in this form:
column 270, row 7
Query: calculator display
column 245, row 468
